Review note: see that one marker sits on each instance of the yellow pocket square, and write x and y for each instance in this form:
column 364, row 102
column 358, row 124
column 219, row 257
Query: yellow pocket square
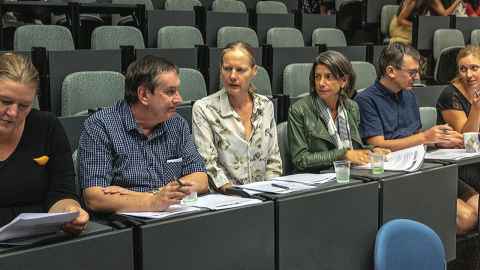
column 41, row 161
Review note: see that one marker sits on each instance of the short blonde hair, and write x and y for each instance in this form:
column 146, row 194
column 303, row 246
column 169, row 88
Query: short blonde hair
column 18, row 68
column 472, row 50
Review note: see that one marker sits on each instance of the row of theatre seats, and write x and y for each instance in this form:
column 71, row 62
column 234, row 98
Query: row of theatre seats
column 268, row 14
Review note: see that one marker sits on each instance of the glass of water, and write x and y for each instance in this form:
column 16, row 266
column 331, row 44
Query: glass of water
column 342, row 171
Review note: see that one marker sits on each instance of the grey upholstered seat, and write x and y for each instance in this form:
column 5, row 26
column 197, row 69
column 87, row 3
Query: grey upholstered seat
column 232, row 6
column 296, row 79
column 91, row 90
column 386, row 16
column 112, row 37
column 285, row 37
column 365, row 74
column 181, row 4
column 52, row 37
column 332, row 37
column 444, row 38
column 179, row 37
column 228, row 34
column 192, row 85
column 271, row 7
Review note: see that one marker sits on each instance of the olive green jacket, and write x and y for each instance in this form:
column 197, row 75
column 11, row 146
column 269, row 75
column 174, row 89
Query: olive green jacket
column 311, row 147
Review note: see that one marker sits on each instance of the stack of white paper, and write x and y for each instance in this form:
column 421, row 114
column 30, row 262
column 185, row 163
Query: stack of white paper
column 450, row 154
column 307, row 178
column 170, row 211
column 409, row 159
column 277, row 187
column 31, row 224
column 220, row 201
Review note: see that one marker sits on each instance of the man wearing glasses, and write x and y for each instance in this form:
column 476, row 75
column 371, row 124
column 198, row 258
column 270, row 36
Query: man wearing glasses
column 389, row 114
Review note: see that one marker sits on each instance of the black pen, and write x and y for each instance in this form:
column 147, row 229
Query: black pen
column 179, row 182
column 280, row 186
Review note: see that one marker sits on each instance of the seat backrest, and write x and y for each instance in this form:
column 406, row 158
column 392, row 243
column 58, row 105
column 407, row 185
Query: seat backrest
column 332, row 37
column 262, row 82
column 112, row 37
column 91, row 90
column 179, row 37
column 365, row 74
column 444, row 38
column 185, row 111
column 228, row 34
column 428, row 117
column 282, row 136
column 296, row 79
column 446, row 65
column 271, row 7
column 148, row 3
column 73, row 125
column 427, row 96
column 52, row 37
column 386, row 16
column 285, row 37
column 232, row 6
column 192, row 85
column 475, row 37
column 407, row 244
column 181, row 4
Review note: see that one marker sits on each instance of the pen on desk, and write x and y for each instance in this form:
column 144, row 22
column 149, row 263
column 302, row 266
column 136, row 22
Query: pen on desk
column 280, row 186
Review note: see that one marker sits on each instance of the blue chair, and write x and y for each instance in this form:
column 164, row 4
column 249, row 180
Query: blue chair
column 406, row 244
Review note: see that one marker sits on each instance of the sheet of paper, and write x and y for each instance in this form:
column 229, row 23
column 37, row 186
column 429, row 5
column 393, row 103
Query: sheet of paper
column 30, row 224
column 450, row 154
column 307, row 178
column 274, row 186
column 409, row 159
column 170, row 211
column 220, row 201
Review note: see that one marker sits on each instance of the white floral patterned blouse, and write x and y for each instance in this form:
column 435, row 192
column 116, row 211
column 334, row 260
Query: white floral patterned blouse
column 219, row 136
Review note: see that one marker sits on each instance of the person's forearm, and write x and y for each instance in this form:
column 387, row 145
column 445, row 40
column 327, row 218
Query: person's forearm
column 451, row 8
column 60, row 205
column 398, row 144
column 199, row 180
column 96, row 200
column 473, row 121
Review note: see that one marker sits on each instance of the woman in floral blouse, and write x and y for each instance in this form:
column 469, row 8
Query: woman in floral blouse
column 234, row 129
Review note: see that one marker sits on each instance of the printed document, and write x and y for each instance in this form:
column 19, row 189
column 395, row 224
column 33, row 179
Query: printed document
column 409, row 160
column 273, row 186
column 307, row 178
column 31, row 224
column 450, row 154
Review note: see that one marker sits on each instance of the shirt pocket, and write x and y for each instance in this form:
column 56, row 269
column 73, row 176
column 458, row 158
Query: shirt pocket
column 173, row 169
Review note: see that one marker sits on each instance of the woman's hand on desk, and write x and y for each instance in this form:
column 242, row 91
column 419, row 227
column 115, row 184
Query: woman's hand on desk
column 77, row 225
column 358, row 156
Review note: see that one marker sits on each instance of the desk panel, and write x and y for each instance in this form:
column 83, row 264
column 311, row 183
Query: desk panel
column 428, row 196
column 240, row 238
column 328, row 229
column 99, row 248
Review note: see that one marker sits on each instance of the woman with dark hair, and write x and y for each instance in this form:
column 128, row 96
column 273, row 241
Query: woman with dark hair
column 36, row 166
column 323, row 126
column 401, row 25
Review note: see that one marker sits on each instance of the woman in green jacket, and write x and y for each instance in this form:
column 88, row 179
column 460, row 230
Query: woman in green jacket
column 323, row 126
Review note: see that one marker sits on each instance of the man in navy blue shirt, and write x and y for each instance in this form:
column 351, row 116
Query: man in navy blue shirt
column 389, row 114
column 138, row 155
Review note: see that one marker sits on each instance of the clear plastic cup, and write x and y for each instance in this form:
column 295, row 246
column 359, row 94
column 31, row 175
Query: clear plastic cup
column 342, row 171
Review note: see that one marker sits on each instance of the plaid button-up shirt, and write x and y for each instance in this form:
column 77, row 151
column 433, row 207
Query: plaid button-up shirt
column 112, row 151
